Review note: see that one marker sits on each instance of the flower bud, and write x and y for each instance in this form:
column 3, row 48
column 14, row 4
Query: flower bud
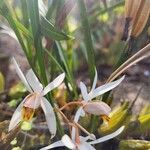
column 141, row 18
column 136, row 14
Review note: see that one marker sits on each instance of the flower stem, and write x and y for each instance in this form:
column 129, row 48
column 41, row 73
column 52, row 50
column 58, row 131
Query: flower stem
column 71, row 103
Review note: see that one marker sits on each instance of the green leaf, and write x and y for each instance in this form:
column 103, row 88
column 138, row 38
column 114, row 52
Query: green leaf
column 89, row 48
column 87, row 38
column 32, row 6
column 2, row 82
column 48, row 29
column 66, row 67
column 8, row 15
column 23, row 30
column 25, row 16
column 134, row 145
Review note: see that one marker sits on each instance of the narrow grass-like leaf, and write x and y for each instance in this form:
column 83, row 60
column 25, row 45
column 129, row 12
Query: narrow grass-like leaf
column 48, row 30
column 87, row 38
column 23, row 30
column 57, row 64
column 65, row 63
column 63, row 13
column 93, row 17
column 6, row 13
column 89, row 46
column 52, row 9
column 25, row 15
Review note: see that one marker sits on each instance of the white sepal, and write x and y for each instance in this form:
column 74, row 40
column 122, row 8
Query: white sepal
column 76, row 119
column 68, row 142
column 49, row 115
column 108, row 137
column 33, row 81
column 17, row 116
column 21, row 76
column 55, row 83
column 84, row 91
column 95, row 81
column 89, row 137
column 104, row 88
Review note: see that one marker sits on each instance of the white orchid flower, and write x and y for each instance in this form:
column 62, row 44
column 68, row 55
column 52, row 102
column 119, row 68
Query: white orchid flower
column 81, row 143
column 35, row 99
column 92, row 107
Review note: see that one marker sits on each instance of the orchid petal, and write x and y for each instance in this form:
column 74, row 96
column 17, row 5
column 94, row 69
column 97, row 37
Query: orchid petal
column 21, row 76
column 50, row 116
column 54, row 145
column 55, row 83
column 95, row 81
column 33, row 81
column 108, row 137
column 16, row 118
column 89, row 137
column 84, row 91
column 105, row 88
column 85, row 146
column 68, row 142
column 76, row 119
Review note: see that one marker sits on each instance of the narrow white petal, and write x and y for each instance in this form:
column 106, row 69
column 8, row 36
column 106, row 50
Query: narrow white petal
column 21, row 76
column 55, row 83
column 68, row 142
column 85, row 146
column 16, row 118
column 54, row 145
column 50, row 116
column 76, row 119
column 95, row 81
column 108, row 137
column 84, row 91
column 89, row 137
column 105, row 88
column 33, row 81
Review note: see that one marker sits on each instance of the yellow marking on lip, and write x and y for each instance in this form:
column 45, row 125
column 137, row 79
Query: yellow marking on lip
column 105, row 118
column 27, row 113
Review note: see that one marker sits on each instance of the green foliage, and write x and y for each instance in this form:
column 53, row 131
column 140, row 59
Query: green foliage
column 2, row 82
column 48, row 30
column 32, row 23
column 144, row 122
column 17, row 90
column 134, row 145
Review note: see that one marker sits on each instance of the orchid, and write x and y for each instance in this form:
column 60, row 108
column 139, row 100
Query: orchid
column 35, row 99
column 92, row 107
column 81, row 143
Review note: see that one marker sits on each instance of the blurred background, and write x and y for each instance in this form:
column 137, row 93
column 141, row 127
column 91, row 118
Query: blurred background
column 106, row 20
